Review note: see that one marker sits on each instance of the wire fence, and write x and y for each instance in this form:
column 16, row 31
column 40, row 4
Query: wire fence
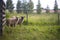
column 50, row 18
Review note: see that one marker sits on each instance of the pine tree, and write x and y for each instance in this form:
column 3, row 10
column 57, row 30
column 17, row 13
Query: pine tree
column 19, row 7
column 39, row 7
column 47, row 9
column 24, row 5
column 55, row 7
column 9, row 5
column 30, row 6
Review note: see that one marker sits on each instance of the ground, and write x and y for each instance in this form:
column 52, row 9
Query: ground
column 40, row 27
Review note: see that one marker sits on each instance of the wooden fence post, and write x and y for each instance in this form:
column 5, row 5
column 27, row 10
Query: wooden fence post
column 2, row 16
column 27, row 17
column 58, row 19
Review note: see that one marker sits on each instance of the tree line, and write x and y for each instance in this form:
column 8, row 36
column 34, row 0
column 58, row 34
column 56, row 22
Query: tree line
column 28, row 6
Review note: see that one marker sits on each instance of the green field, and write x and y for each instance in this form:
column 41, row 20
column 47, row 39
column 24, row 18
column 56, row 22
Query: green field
column 40, row 27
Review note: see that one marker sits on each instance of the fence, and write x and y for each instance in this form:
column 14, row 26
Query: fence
column 2, row 16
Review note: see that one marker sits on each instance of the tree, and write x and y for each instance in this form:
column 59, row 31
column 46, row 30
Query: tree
column 39, row 7
column 19, row 6
column 56, row 10
column 30, row 6
column 24, row 5
column 25, row 9
column 47, row 9
column 55, row 7
column 9, row 5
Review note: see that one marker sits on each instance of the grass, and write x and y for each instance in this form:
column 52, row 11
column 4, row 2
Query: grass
column 32, row 33
column 40, row 27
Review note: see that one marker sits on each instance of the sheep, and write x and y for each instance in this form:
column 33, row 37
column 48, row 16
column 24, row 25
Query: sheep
column 20, row 20
column 11, row 21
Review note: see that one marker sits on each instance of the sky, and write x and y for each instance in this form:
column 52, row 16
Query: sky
column 44, row 3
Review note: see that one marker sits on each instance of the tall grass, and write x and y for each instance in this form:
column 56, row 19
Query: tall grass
column 40, row 27
column 42, row 19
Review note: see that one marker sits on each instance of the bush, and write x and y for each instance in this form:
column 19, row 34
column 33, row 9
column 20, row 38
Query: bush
column 7, row 13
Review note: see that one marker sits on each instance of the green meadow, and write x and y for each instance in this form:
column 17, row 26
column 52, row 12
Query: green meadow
column 40, row 27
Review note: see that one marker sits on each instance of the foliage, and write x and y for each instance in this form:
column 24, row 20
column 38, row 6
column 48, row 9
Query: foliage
column 30, row 6
column 47, row 9
column 24, row 5
column 30, row 32
column 40, row 27
column 9, row 5
column 19, row 6
column 56, row 7
column 7, row 13
column 39, row 7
